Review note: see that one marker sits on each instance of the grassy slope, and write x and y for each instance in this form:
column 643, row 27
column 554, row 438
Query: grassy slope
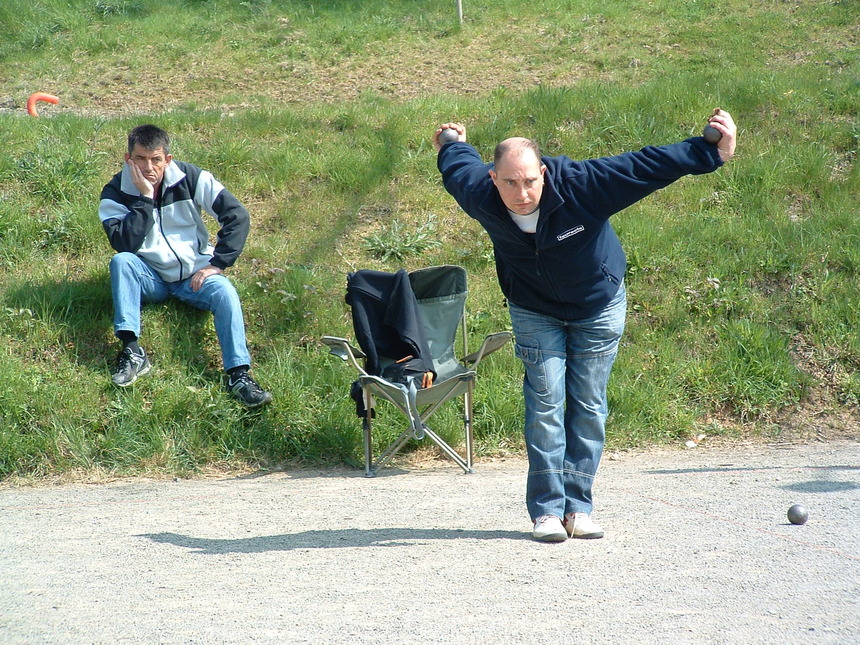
column 318, row 115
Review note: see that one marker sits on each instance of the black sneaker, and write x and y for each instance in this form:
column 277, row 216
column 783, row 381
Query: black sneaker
column 129, row 366
column 244, row 388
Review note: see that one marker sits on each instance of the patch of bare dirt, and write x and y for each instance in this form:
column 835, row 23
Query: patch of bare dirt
column 400, row 71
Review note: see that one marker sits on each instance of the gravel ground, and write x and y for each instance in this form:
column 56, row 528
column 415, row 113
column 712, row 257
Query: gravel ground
column 697, row 550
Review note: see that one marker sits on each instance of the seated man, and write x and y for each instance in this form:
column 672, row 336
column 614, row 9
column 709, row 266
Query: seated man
column 151, row 212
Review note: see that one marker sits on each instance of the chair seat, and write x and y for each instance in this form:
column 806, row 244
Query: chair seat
column 442, row 390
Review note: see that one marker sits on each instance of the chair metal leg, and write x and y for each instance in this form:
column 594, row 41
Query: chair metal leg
column 448, row 450
column 467, row 422
column 368, row 446
column 417, row 430
column 367, row 426
column 392, row 450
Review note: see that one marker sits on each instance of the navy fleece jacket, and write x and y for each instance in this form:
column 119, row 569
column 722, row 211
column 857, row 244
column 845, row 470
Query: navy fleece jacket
column 572, row 266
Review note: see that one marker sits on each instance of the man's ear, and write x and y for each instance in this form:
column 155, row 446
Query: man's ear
column 493, row 176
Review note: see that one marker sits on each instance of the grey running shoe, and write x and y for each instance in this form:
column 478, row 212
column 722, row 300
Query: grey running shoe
column 581, row 526
column 548, row 528
column 244, row 388
column 129, row 366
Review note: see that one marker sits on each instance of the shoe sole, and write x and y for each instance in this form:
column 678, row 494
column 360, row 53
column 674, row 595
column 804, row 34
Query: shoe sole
column 251, row 406
column 583, row 536
column 142, row 372
column 552, row 537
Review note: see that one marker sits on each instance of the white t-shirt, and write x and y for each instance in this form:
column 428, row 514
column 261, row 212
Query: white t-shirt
column 527, row 223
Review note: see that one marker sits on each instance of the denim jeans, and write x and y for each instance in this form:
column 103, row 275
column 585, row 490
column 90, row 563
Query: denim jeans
column 567, row 366
column 134, row 283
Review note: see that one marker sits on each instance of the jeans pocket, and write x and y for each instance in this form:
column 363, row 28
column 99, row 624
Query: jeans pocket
column 532, row 359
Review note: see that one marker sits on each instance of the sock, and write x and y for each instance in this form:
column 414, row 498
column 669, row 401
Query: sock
column 237, row 371
column 129, row 340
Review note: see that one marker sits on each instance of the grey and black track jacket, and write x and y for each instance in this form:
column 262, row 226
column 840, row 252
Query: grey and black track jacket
column 169, row 233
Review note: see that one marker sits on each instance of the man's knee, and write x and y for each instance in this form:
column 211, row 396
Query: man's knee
column 122, row 260
column 221, row 292
column 221, row 284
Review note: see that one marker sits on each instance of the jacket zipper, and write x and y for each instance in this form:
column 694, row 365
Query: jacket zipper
column 167, row 242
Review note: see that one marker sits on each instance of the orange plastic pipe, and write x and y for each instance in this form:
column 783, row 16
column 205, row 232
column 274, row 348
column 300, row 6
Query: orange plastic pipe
column 39, row 96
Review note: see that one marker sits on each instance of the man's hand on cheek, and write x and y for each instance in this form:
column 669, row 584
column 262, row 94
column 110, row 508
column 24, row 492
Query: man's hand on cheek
column 142, row 183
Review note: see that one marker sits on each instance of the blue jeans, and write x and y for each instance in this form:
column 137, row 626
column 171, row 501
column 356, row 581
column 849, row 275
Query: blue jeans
column 134, row 283
column 567, row 366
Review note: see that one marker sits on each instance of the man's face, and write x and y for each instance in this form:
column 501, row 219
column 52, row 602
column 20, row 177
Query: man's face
column 150, row 162
column 519, row 179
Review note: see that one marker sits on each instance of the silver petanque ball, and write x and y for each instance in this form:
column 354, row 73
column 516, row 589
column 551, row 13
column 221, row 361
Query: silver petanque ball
column 711, row 134
column 798, row 514
column 447, row 135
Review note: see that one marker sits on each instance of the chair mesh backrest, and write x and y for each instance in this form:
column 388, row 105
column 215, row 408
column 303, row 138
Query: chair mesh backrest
column 441, row 294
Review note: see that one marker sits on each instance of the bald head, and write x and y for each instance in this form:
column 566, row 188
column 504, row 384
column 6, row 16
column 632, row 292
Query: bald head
column 515, row 147
column 518, row 174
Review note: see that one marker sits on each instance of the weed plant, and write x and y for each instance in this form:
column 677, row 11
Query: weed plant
column 318, row 115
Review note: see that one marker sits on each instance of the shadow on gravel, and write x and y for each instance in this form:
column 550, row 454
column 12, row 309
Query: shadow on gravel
column 338, row 539
column 731, row 468
column 823, row 485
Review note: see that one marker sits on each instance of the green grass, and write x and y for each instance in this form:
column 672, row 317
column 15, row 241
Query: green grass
column 318, row 115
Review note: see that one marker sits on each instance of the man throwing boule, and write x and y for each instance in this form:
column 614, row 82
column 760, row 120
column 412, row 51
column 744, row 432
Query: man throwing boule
column 561, row 268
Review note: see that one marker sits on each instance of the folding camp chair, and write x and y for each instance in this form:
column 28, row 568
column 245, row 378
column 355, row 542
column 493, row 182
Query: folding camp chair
column 440, row 293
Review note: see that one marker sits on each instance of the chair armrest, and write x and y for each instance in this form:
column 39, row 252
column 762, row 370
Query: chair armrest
column 341, row 348
column 492, row 343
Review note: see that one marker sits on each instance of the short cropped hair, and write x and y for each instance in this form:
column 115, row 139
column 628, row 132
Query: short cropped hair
column 517, row 146
column 150, row 137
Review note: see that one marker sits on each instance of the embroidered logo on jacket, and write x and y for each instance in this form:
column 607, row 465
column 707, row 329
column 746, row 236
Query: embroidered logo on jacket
column 570, row 233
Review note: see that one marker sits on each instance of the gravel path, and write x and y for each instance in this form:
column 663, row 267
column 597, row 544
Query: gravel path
column 697, row 550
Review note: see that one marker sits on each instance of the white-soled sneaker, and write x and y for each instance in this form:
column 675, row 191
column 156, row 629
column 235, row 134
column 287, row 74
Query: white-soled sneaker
column 129, row 366
column 548, row 528
column 244, row 388
column 582, row 527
